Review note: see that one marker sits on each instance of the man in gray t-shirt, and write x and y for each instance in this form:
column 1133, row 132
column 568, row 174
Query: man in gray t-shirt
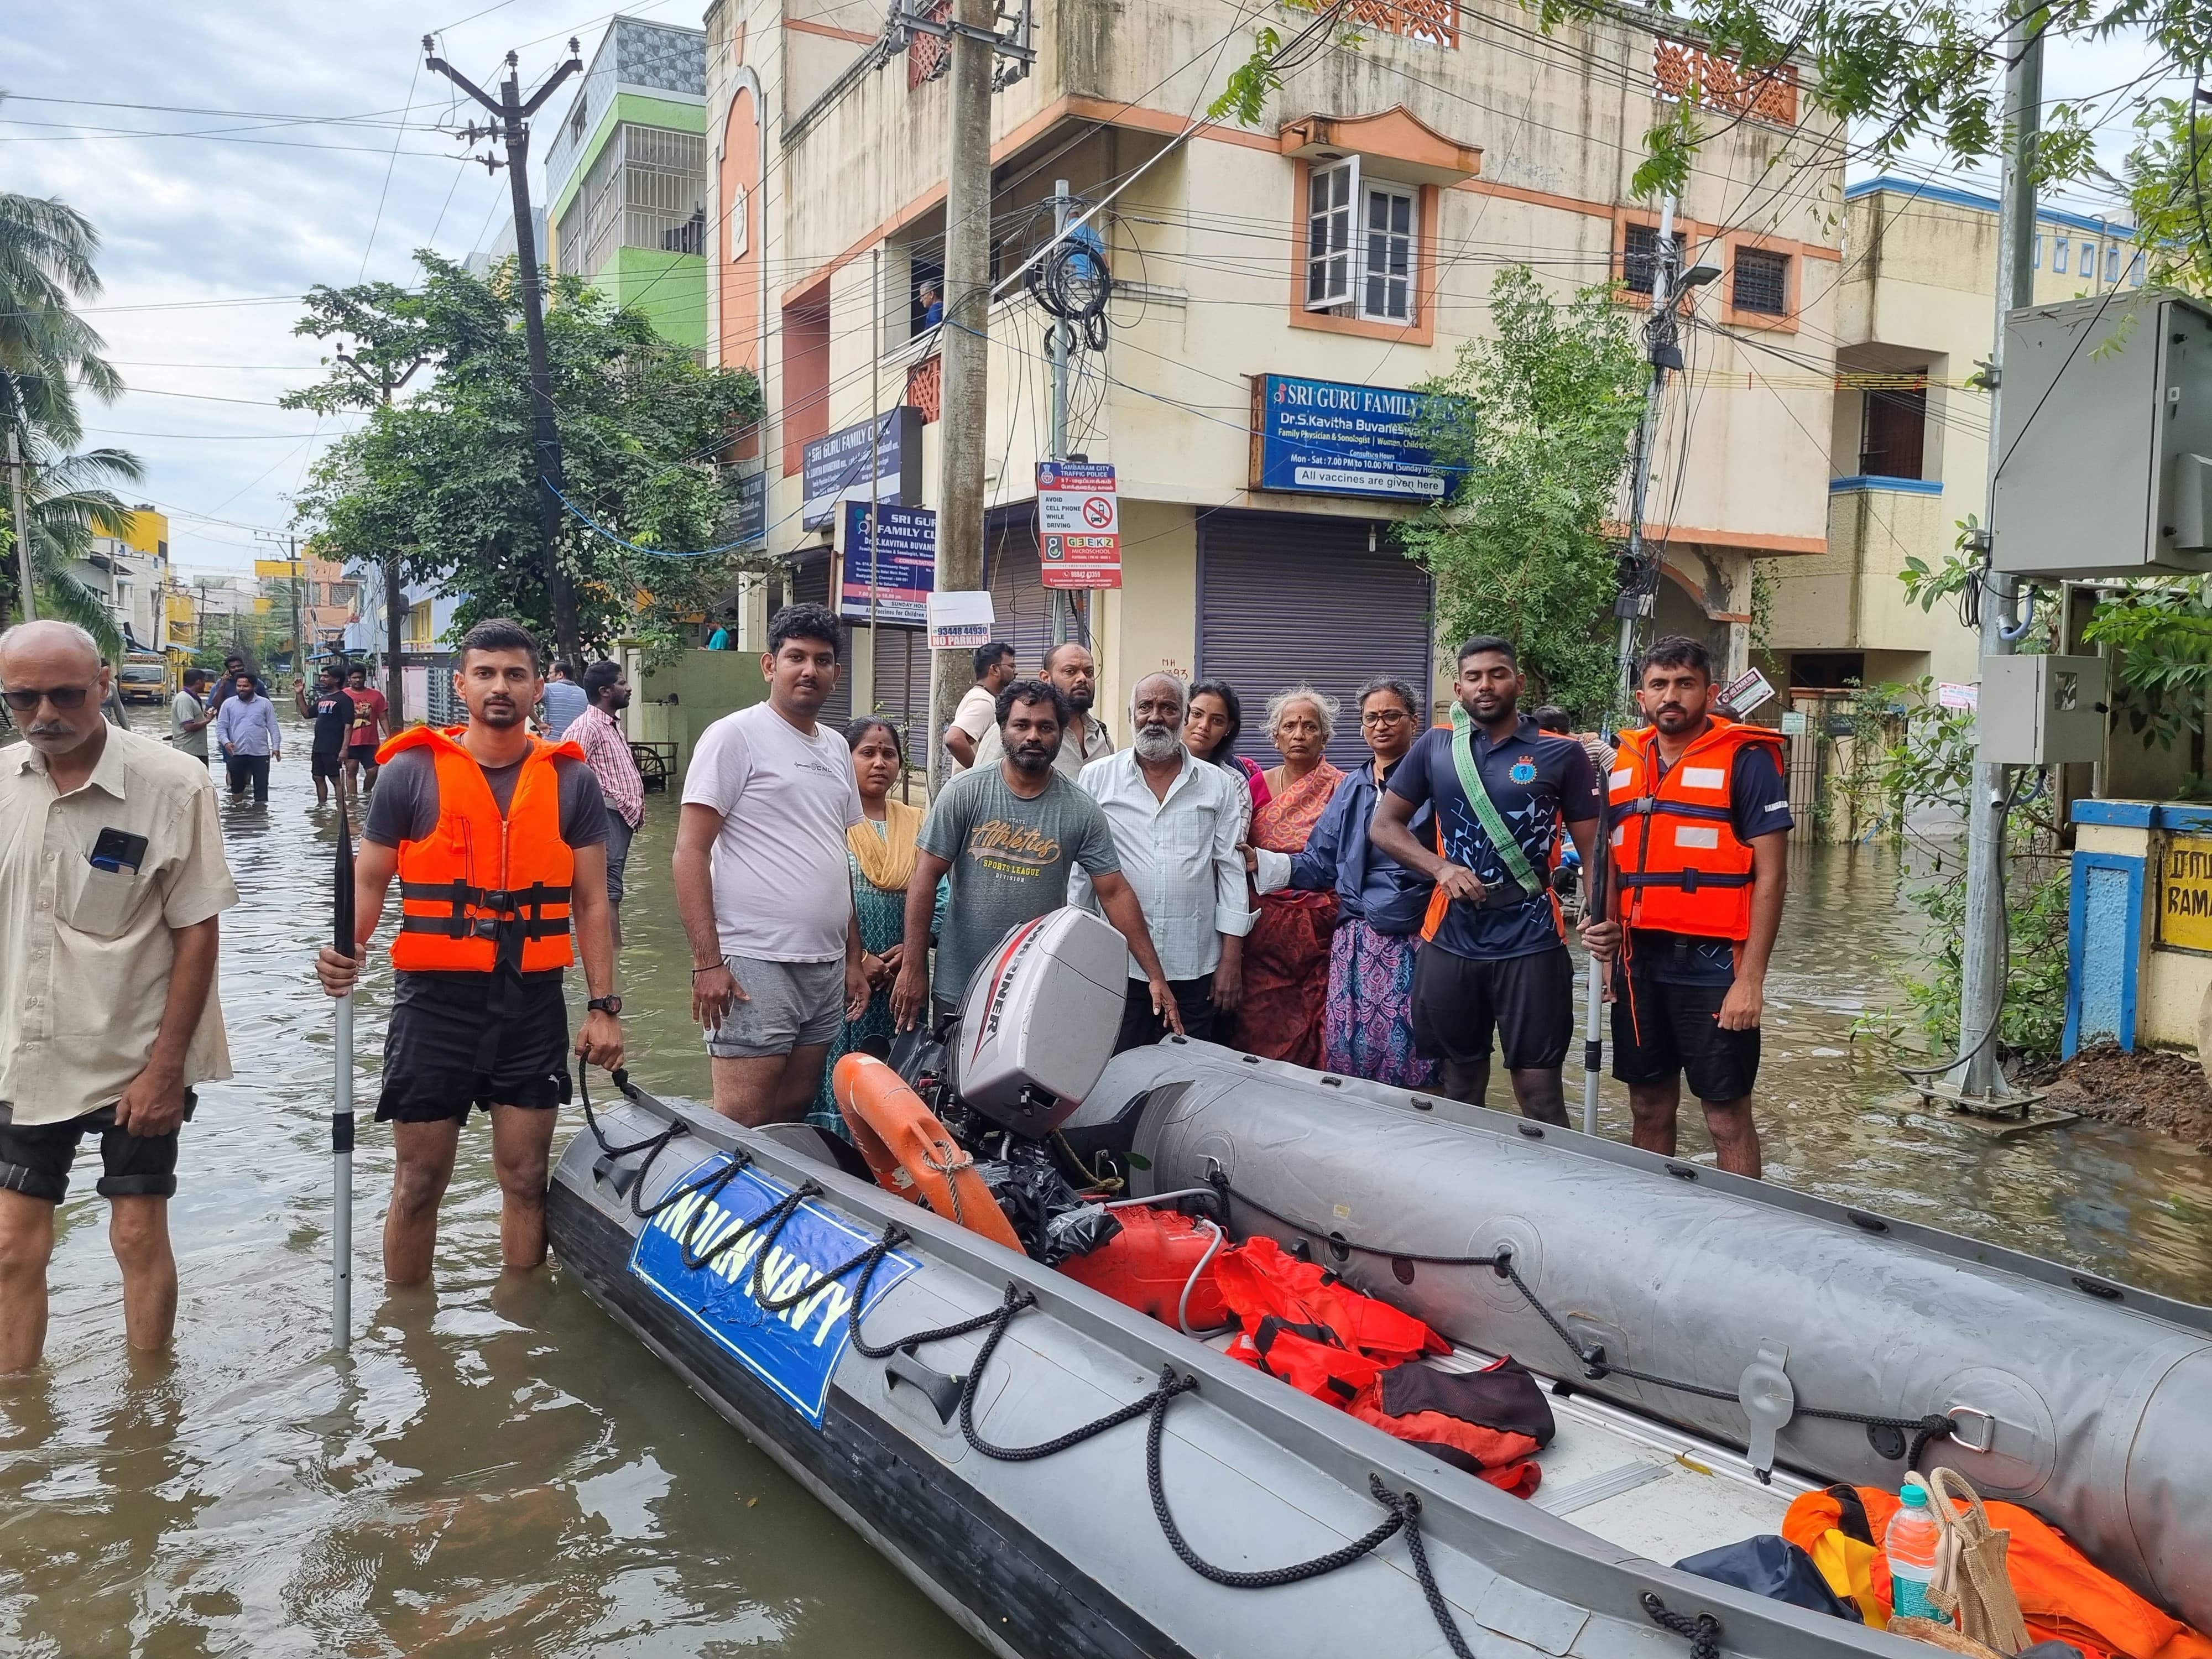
column 1009, row 835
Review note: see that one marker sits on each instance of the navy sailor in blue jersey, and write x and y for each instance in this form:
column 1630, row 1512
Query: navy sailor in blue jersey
column 1495, row 957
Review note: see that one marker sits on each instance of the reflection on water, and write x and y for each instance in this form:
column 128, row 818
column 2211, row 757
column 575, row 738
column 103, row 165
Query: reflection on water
column 497, row 1469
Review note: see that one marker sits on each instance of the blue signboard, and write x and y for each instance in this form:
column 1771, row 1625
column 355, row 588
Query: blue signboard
column 794, row 1352
column 835, row 468
column 1333, row 438
column 752, row 508
column 904, row 565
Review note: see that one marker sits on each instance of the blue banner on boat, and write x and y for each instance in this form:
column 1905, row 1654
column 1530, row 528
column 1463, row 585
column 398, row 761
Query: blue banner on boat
column 794, row 1352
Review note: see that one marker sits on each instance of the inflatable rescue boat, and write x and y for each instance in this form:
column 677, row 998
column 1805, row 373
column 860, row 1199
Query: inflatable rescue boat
column 1067, row 1476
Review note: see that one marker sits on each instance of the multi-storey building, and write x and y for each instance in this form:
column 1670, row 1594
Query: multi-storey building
column 1340, row 251
column 626, row 185
column 130, row 573
column 1914, row 315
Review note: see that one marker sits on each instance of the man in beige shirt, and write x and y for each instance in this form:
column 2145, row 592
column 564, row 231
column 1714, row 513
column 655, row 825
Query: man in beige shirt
column 1070, row 667
column 112, row 876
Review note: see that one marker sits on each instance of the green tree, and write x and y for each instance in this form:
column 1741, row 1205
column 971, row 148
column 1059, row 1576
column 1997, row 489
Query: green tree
column 1535, row 423
column 48, row 352
column 447, row 479
column 68, row 502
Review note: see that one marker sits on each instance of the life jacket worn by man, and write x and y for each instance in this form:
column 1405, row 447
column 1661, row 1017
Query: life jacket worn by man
column 1684, row 836
column 497, row 840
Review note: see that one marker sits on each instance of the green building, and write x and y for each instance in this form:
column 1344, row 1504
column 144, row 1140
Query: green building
column 626, row 177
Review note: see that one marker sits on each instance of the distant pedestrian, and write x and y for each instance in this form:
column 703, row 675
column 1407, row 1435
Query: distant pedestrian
column 1703, row 819
column 371, row 717
column 246, row 733
column 1009, row 835
column 1286, row 955
column 1549, row 717
column 1495, row 957
column 1069, row 668
column 1176, row 824
column 761, row 881
column 227, row 687
column 1367, row 1017
column 494, row 838
column 112, row 879
column 720, row 639
column 933, row 302
column 978, row 712
column 598, row 732
column 564, row 700
column 1210, row 731
column 332, row 712
column 190, row 717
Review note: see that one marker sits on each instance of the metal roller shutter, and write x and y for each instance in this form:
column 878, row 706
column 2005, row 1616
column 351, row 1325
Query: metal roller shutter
column 902, row 695
column 1284, row 598
column 1013, row 571
column 810, row 584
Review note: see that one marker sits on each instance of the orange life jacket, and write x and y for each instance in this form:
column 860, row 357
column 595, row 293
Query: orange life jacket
column 1677, row 863
column 2063, row 1597
column 481, row 889
column 1491, row 1423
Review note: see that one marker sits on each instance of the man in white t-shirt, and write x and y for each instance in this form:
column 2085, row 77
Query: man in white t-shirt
column 978, row 710
column 762, row 881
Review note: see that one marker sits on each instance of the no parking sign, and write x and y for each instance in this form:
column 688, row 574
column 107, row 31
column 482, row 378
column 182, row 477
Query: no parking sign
column 1079, row 525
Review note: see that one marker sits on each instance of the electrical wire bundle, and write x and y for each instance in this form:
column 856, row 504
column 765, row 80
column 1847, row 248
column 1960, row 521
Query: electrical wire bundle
column 1072, row 285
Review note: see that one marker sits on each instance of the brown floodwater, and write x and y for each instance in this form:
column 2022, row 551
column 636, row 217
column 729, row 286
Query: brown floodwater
column 495, row 1468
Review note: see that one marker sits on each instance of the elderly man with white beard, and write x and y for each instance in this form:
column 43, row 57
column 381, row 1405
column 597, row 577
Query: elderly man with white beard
column 1176, row 824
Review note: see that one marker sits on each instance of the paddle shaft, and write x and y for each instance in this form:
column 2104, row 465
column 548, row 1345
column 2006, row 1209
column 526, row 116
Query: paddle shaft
column 342, row 941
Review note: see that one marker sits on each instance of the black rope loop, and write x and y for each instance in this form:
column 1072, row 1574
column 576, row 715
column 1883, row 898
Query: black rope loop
column 1407, row 1507
column 1165, row 1389
column 1704, row 1631
column 652, row 1145
column 894, row 1235
column 778, row 1212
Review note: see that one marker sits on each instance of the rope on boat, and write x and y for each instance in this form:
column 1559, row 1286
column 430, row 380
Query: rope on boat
column 1595, row 1366
column 1404, row 1509
column 1704, row 1631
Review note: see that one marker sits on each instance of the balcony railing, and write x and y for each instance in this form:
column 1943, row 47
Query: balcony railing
column 1679, row 69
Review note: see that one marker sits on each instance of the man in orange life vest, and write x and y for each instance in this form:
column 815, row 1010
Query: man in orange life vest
column 1700, row 822
column 498, row 841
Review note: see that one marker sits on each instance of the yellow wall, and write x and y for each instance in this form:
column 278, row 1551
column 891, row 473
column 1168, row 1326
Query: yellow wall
column 147, row 532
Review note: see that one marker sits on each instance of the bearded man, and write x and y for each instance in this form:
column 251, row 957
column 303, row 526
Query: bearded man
column 1176, row 821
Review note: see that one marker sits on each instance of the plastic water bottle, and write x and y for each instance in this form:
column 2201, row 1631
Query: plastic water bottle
column 1911, row 1546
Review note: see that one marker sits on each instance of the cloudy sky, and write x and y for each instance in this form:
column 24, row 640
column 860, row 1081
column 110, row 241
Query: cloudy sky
column 246, row 150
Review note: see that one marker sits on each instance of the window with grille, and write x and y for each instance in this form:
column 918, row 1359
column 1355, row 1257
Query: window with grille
column 1639, row 256
column 1331, row 192
column 1893, row 432
column 1762, row 282
column 1387, row 265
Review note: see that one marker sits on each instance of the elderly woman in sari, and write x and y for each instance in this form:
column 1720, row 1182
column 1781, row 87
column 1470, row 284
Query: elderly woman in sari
column 1367, row 1019
column 1286, row 953
column 880, row 852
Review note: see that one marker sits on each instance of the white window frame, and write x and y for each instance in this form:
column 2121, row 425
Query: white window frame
column 1330, row 277
column 2089, row 260
column 1390, row 191
column 740, row 215
column 2058, row 246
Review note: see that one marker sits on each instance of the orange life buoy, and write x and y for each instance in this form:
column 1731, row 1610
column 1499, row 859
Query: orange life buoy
column 910, row 1153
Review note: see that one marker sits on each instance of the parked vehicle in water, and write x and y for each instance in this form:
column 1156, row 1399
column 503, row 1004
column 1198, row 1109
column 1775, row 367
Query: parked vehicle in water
column 145, row 677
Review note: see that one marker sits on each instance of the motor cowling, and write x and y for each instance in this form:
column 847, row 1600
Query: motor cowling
column 1038, row 1021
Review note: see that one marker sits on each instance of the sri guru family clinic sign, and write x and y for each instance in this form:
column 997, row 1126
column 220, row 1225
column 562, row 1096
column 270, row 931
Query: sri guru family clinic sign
column 1333, row 438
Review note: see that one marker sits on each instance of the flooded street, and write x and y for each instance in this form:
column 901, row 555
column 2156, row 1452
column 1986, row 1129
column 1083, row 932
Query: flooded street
column 496, row 1469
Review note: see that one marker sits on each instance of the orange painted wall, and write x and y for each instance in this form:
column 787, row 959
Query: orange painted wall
column 741, row 278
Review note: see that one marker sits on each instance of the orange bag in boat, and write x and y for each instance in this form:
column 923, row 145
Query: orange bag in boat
column 1146, row 1265
column 1259, row 1280
column 2064, row 1596
column 910, row 1153
column 1491, row 1423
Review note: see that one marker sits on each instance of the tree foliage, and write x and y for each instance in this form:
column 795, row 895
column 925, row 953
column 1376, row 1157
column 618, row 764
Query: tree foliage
column 449, row 478
column 1534, row 422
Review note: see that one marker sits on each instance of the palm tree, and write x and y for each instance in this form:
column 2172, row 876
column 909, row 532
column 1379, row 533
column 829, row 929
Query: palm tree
column 67, row 501
column 46, row 351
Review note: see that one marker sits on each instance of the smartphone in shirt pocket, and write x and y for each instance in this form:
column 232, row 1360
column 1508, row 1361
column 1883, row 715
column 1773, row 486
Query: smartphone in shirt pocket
column 109, row 890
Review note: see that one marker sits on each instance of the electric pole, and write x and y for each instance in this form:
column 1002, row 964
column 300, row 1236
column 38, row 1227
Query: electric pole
column 1062, row 602
column 1976, row 1081
column 514, row 114
column 291, row 545
column 1638, row 583
column 22, row 518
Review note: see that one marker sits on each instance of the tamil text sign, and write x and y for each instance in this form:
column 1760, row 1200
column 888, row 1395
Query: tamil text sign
column 1078, row 525
column 2184, row 896
column 835, row 468
column 1333, row 438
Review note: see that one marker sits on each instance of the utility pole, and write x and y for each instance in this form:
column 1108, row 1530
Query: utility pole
column 1062, row 602
column 22, row 518
column 1976, row 1081
column 1638, row 587
column 514, row 114
column 291, row 544
column 965, row 342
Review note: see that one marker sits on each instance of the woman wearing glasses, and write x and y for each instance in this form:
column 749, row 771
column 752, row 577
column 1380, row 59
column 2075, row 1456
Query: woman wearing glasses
column 1366, row 1019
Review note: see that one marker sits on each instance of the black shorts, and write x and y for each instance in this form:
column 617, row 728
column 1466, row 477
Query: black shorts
column 1672, row 1027
column 1528, row 1000
column 35, row 1158
column 362, row 754
column 463, row 1040
column 324, row 763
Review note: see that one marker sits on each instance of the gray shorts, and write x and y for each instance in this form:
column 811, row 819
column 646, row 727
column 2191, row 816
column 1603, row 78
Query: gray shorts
column 618, row 838
column 790, row 1005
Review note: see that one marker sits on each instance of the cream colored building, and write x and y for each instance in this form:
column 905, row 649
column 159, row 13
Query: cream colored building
column 1915, row 307
column 1454, row 141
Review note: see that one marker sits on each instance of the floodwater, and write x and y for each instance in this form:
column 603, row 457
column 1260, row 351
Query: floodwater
column 496, row 1469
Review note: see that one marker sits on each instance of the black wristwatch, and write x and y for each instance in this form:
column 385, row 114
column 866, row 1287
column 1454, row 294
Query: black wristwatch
column 605, row 1006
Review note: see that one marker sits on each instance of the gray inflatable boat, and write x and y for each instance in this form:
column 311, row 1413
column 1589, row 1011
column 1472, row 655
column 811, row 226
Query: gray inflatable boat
column 1067, row 1477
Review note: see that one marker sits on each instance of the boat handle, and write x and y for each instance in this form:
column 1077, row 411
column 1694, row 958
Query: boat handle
column 942, row 1392
column 1974, row 1428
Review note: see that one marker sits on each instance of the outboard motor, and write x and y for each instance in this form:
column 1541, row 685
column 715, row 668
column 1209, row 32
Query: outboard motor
column 1038, row 1022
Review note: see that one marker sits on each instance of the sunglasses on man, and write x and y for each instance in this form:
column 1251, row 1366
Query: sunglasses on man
column 63, row 698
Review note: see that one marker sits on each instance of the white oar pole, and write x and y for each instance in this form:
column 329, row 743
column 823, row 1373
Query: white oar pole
column 342, row 1181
